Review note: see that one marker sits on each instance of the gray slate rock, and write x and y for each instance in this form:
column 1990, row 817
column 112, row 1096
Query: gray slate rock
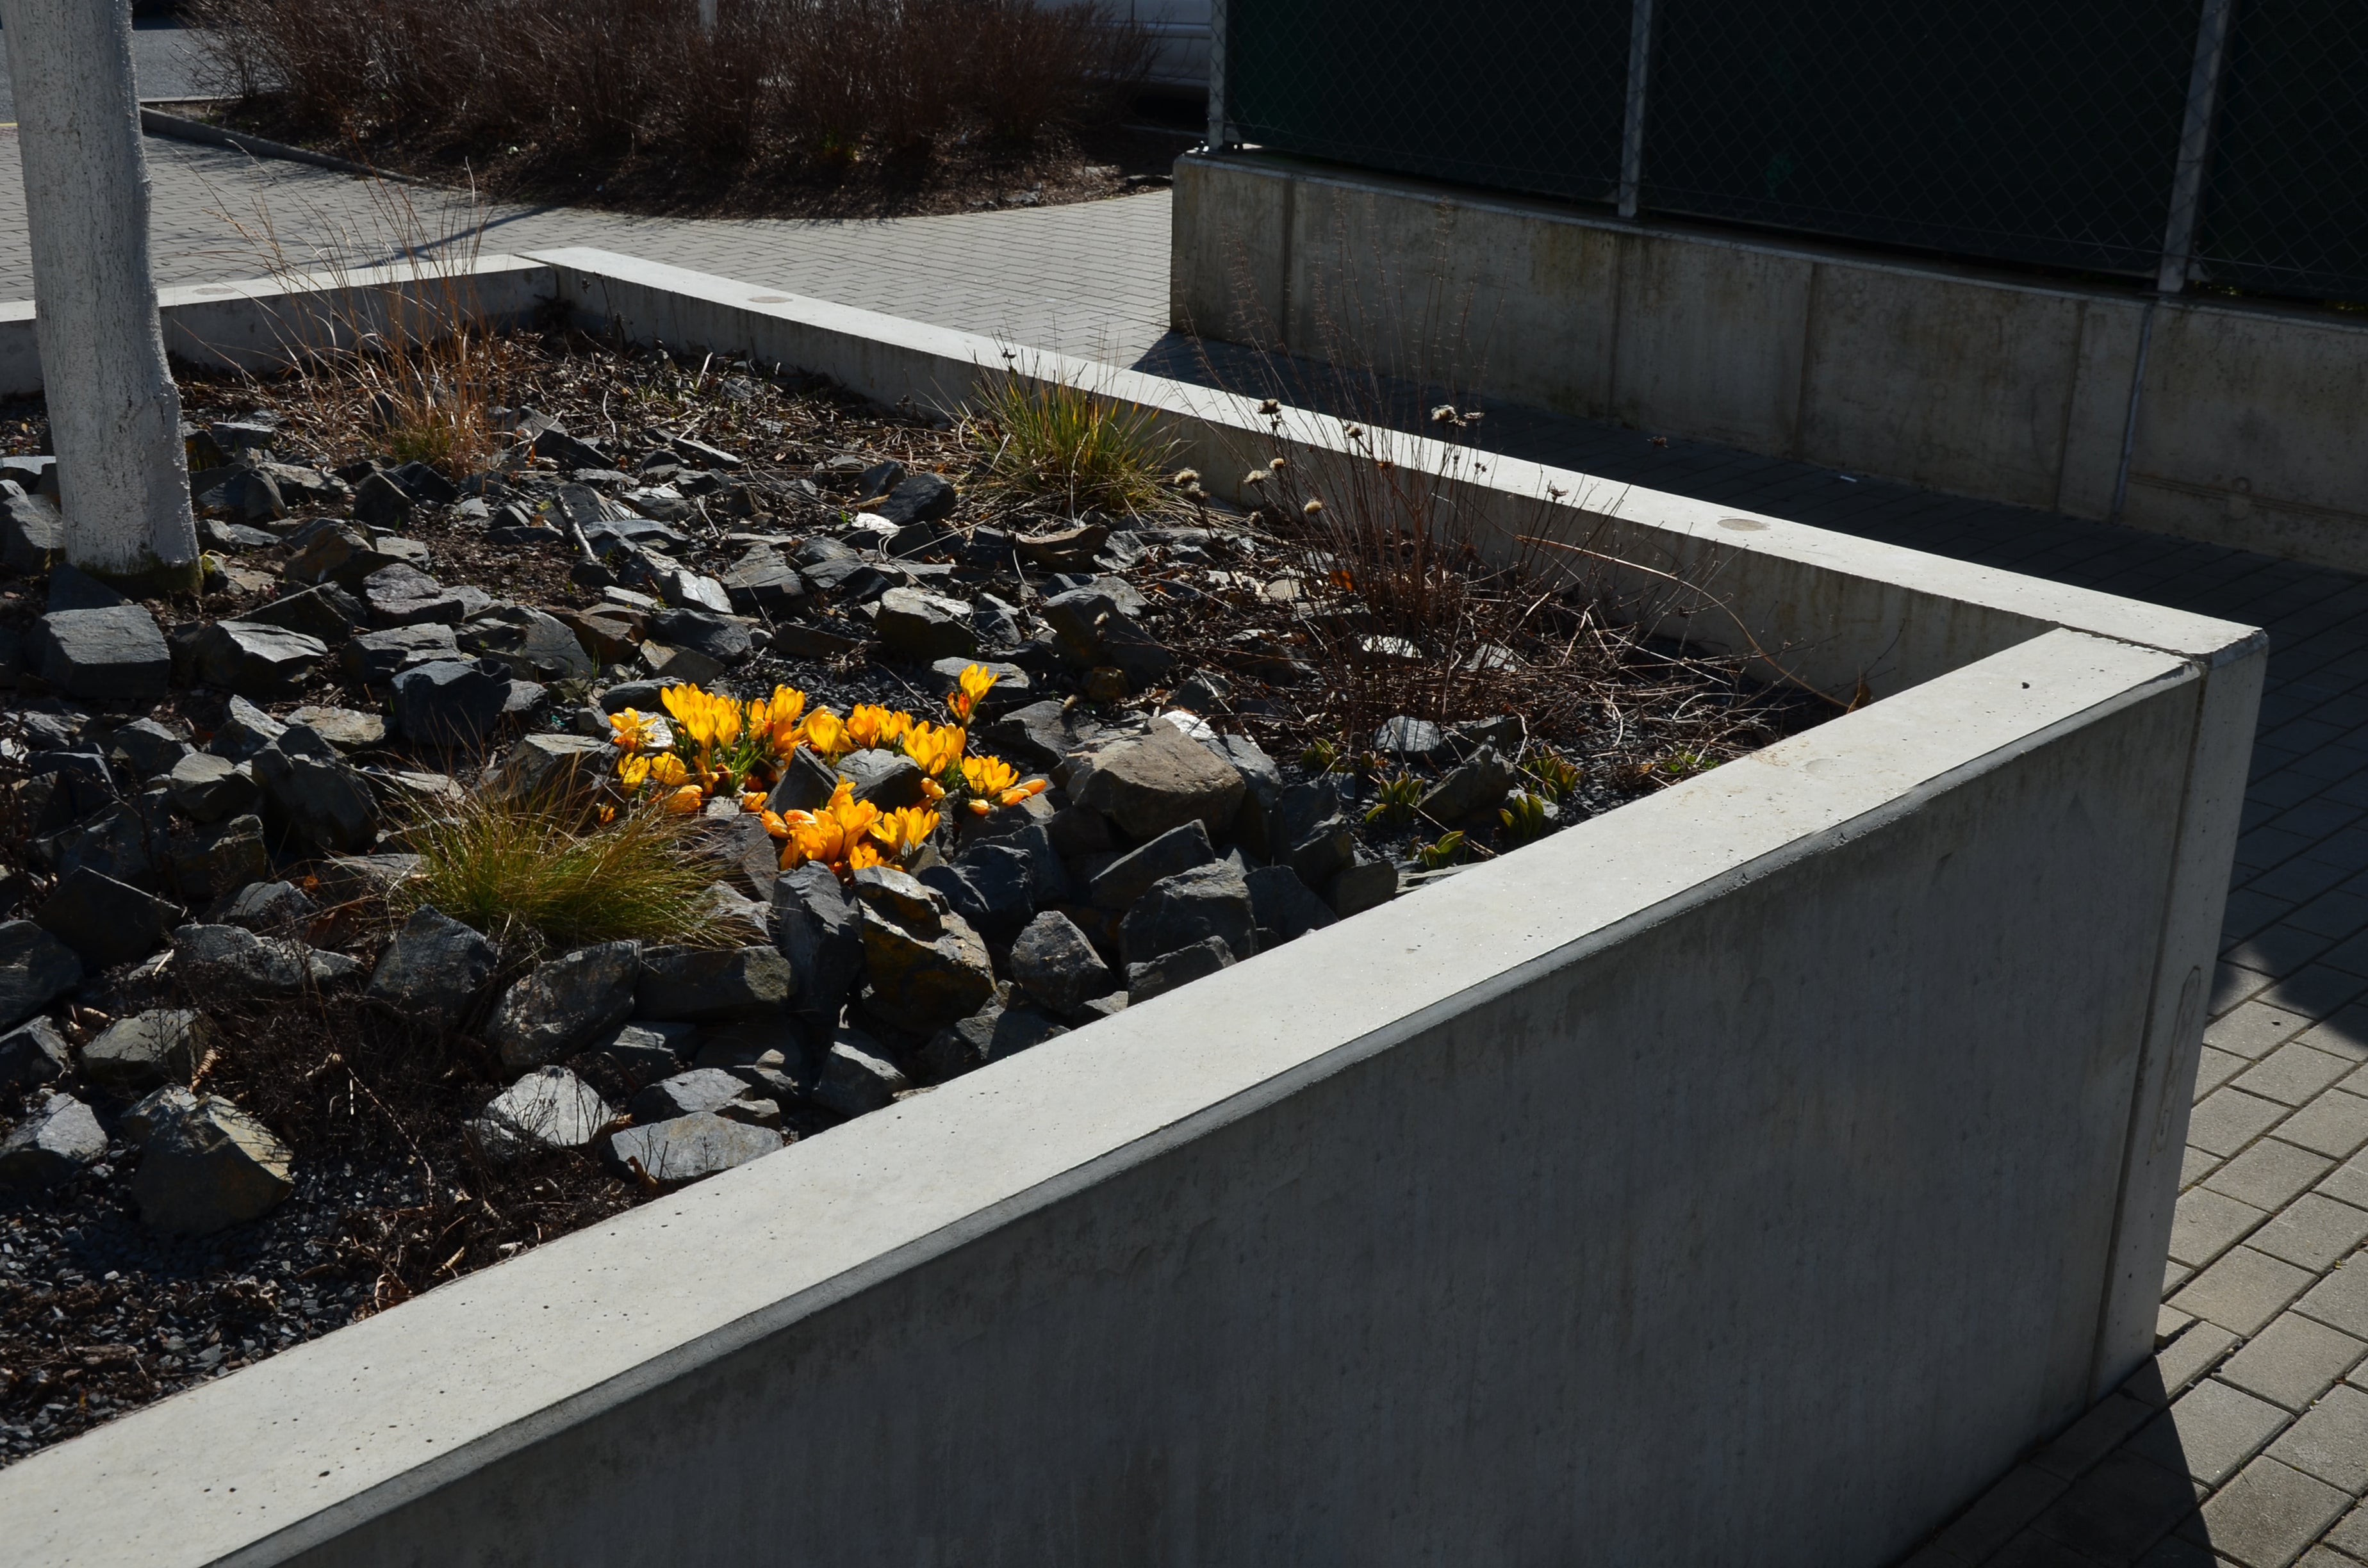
column 56, row 1144
column 549, row 1108
column 712, row 985
column 807, row 783
column 402, row 595
column 147, row 747
column 1165, row 973
column 529, row 643
column 541, row 764
column 237, row 964
column 920, row 628
column 212, row 861
column 207, row 788
column 433, row 969
column 245, row 730
column 322, row 800
column 765, row 584
column 208, row 1168
column 647, row 1050
column 1129, row 877
column 1285, row 907
column 35, row 969
column 922, row 498
column 922, row 982
column 324, row 612
column 1160, row 781
column 342, row 728
column 1416, row 739
column 564, row 1004
column 71, row 587
column 254, row 659
column 1471, row 788
column 136, row 1054
column 1307, row 831
column 889, row 779
column 988, row 1034
column 119, row 842
column 901, row 897
column 33, row 1053
column 816, row 927
column 374, row 658
column 1189, row 908
column 856, row 1077
column 381, row 503
column 1366, row 884
column 338, row 554
column 703, row 631
column 102, row 655
column 149, row 1114
column 687, row 1094
column 688, row 1148
column 1052, row 961
column 32, row 533
column 104, row 921
column 448, row 703
column 268, row 907
column 992, row 886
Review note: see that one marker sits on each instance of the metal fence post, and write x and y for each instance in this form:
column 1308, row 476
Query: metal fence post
column 1217, row 9
column 1631, row 126
column 2194, row 144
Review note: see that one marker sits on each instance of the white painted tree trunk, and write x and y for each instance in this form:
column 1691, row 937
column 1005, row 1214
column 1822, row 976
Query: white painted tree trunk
column 115, row 416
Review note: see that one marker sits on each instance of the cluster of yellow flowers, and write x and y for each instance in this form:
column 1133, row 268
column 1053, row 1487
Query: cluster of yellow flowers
column 722, row 745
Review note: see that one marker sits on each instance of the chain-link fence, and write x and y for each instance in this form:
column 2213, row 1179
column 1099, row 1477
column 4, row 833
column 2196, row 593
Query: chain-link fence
column 2285, row 201
column 1433, row 89
column 2098, row 136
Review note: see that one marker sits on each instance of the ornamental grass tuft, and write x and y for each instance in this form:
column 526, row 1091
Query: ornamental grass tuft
column 543, row 869
column 1050, row 441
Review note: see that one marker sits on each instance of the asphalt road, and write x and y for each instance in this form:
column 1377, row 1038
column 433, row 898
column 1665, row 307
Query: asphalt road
column 160, row 57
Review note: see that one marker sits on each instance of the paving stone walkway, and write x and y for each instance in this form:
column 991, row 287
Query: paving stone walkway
column 1090, row 279
column 2246, row 1441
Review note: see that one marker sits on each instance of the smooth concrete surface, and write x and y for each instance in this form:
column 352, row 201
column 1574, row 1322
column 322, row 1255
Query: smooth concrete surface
column 1985, row 384
column 1832, row 610
column 1803, row 1137
column 1757, row 1142
column 251, row 323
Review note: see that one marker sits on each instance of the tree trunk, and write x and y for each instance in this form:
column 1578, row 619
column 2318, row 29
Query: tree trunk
column 115, row 416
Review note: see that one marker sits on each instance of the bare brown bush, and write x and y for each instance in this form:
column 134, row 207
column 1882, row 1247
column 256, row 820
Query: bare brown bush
column 814, row 82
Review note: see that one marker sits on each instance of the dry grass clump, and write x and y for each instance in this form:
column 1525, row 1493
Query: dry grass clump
column 543, row 869
column 810, row 81
column 410, row 353
column 1050, row 441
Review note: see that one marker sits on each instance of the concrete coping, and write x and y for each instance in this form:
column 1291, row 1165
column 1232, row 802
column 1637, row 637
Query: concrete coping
column 325, row 1441
column 288, row 1453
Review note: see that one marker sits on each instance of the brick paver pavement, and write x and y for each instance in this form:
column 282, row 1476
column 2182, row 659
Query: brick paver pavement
column 2256, row 1405
column 1090, row 279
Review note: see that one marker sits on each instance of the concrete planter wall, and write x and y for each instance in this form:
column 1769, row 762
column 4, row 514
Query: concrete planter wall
column 1984, row 383
column 1748, row 1175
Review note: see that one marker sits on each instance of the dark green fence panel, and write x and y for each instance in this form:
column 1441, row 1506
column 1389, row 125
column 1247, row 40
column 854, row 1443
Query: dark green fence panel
column 2036, row 131
column 2285, row 207
column 2041, row 131
column 1519, row 95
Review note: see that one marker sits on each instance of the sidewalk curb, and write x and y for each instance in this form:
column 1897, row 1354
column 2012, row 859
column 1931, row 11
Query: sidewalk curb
column 177, row 127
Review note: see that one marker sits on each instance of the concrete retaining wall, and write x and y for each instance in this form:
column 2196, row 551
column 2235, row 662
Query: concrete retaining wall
column 250, row 323
column 1979, row 384
column 1750, row 1173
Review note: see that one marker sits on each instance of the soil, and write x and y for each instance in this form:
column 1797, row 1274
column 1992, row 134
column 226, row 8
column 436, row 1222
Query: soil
column 962, row 171
column 98, row 1315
